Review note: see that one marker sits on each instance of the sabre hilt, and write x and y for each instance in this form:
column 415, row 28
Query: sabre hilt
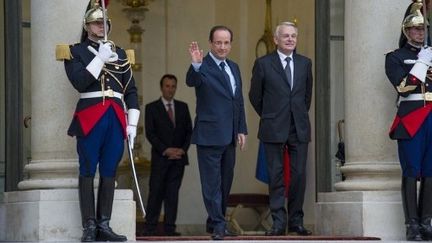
column 112, row 58
column 113, row 46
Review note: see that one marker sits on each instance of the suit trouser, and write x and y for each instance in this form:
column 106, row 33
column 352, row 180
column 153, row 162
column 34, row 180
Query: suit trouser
column 164, row 185
column 216, row 166
column 298, row 156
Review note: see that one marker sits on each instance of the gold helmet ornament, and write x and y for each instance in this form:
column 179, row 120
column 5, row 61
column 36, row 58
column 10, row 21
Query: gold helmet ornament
column 94, row 13
column 415, row 17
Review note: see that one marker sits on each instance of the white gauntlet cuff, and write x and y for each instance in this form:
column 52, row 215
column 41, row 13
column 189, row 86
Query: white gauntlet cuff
column 419, row 70
column 133, row 117
column 95, row 66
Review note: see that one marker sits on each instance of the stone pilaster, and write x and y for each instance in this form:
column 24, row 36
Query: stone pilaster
column 371, row 192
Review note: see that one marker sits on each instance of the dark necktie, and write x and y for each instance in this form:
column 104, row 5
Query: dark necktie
column 170, row 113
column 226, row 76
column 288, row 71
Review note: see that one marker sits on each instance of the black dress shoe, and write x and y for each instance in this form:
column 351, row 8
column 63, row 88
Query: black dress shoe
column 299, row 230
column 218, row 235
column 230, row 233
column 274, row 232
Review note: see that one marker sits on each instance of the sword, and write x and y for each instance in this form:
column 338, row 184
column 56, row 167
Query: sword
column 131, row 159
column 104, row 20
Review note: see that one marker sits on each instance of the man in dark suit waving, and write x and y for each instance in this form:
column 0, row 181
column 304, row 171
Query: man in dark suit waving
column 168, row 128
column 219, row 124
column 281, row 92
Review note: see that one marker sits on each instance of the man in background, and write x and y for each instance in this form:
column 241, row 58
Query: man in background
column 168, row 128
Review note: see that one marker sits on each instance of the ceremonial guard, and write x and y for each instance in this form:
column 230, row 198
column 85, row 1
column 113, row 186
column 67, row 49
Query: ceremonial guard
column 101, row 73
column 408, row 69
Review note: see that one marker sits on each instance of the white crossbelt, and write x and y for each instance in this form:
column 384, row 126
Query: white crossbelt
column 417, row 97
column 106, row 93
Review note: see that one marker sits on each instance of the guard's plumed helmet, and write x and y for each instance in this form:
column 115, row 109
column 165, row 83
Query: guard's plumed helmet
column 414, row 18
column 95, row 13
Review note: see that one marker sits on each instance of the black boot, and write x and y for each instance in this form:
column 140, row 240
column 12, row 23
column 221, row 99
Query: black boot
column 104, row 208
column 87, row 206
column 425, row 208
column 409, row 202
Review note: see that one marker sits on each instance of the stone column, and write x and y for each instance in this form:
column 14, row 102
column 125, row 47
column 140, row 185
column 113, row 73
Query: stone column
column 371, row 192
column 54, row 161
column 47, row 208
column 369, row 98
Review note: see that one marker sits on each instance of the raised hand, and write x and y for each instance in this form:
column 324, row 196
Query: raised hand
column 425, row 55
column 195, row 53
column 422, row 64
column 105, row 52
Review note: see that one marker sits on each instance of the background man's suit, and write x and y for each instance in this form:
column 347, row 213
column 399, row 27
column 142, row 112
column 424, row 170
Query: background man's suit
column 166, row 174
column 220, row 116
column 284, row 120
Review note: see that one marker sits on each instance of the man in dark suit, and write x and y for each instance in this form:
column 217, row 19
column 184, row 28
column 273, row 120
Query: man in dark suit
column 220, row 123
column 280, row 92
column 168, row 128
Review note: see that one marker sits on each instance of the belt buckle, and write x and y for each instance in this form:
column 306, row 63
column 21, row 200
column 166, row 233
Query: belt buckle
column 109, row 93
column 428, row 96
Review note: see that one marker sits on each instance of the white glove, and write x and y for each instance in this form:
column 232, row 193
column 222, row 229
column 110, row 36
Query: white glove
column 425, row 56
column 105, row 54
column 133, row 117
column 422, row 64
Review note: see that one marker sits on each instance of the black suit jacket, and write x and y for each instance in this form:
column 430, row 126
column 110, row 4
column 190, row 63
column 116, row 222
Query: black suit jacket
column 275, row 102
column 162, row 134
